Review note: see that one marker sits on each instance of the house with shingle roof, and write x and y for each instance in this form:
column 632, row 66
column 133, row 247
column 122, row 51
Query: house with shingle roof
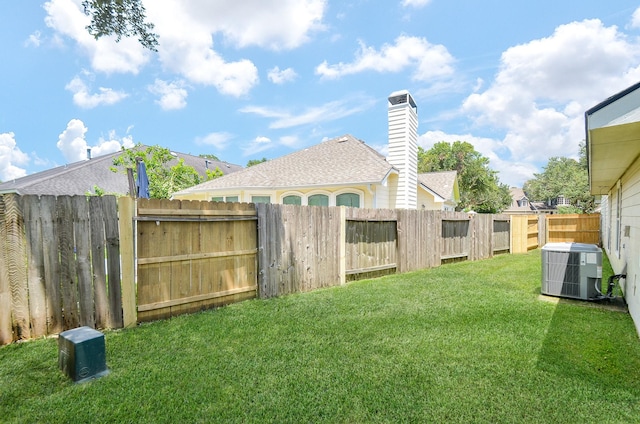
column 343, row 171
column 82, row 177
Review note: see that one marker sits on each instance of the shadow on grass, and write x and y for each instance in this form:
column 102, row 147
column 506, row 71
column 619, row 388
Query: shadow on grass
column 595, row 342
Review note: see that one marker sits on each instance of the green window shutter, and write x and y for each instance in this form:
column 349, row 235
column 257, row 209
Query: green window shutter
column 319, row 200
column 348, row 199
column 261, row 199
column 292, row 200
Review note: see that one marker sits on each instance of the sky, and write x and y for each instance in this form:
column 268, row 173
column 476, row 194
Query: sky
column 263, row 78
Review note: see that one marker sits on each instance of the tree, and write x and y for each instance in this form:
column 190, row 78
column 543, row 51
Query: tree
column 163, row 178
column 480, row 188
column 122, row 18
column 253, row 162
column 563, row 177
column 209, row 156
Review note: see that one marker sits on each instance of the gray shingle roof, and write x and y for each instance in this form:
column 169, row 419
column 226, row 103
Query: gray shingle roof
column 342, row 160
column 441, row 183
column 81, row 177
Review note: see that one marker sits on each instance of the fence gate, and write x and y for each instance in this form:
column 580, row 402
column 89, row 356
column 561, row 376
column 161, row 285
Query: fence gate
column 193, row 255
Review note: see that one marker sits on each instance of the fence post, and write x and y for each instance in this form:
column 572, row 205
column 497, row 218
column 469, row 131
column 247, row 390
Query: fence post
column 126, row 208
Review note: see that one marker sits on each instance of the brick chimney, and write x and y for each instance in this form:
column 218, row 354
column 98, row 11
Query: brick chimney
column 403, row 146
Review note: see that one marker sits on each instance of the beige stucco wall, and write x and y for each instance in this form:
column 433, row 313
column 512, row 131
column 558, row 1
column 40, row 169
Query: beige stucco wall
column 624, row 254
column 426, row 201
column 367, row 194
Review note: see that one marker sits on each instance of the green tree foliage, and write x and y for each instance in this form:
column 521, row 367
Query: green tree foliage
column 480, row 188
column 164, row 179
column 563, row 177
column 121, row 18
column 253, row 162
column 209, row 156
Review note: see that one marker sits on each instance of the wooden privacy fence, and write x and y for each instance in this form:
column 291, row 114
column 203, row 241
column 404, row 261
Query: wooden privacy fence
column 304, row 248
column 60, row 265
column 107, row 263
column 534, row 231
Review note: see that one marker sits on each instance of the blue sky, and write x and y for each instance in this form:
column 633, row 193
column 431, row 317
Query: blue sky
column 262, row 78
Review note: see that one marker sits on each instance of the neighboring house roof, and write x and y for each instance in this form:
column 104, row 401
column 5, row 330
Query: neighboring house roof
column 441, row 183
column 339, row 161
column 82, row 177
column 519, row 202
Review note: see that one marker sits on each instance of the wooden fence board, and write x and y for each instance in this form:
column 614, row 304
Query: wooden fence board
column 6, row 330
column 47, row 207
column 68, row 276
column 35, row 267
column 82, row 251
column 112, row 238
column 125, row 212
column 15, row 252
column 98, row 259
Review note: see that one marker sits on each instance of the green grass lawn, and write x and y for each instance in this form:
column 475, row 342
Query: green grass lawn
column 468, row 342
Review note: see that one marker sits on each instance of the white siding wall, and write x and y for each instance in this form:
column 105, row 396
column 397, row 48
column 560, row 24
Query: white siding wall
column 403, row 151
column 628, row 260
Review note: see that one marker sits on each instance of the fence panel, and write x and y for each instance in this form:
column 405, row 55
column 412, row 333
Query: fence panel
column 578, row 228
column 524, row 233
column 193, row 256
column 371, row 242
column 300, row 248
column 419, row 239
column 456, row 236
column 501, row 234
column 49, row 250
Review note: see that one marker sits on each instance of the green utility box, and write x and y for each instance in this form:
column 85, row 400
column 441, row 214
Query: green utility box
column 81, row 354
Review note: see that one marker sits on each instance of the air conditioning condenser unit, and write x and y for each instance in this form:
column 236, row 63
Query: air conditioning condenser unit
column 572, row 270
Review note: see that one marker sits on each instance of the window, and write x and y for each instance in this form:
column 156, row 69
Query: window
column 292, row 200
column 224, row 199
column 261, row 199
column 348, row 199
column 319, row 200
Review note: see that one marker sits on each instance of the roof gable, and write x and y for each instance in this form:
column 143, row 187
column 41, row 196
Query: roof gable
column 441, row 183
column 339, row 161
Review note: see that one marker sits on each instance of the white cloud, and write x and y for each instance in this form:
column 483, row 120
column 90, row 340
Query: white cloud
column 10, row 157
column 34, row 39
column 291, row 141
column 543, row 87
column 186, row 31
column 173, row 95
column 275, row 24
column 73, row 145
column 330, row 111
column 415, row 3
column 428, row 61
column 219, row 140
column 635, row 19
column 257, row 145
column 67, row 18
column 278, row 76
column 86, row 100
